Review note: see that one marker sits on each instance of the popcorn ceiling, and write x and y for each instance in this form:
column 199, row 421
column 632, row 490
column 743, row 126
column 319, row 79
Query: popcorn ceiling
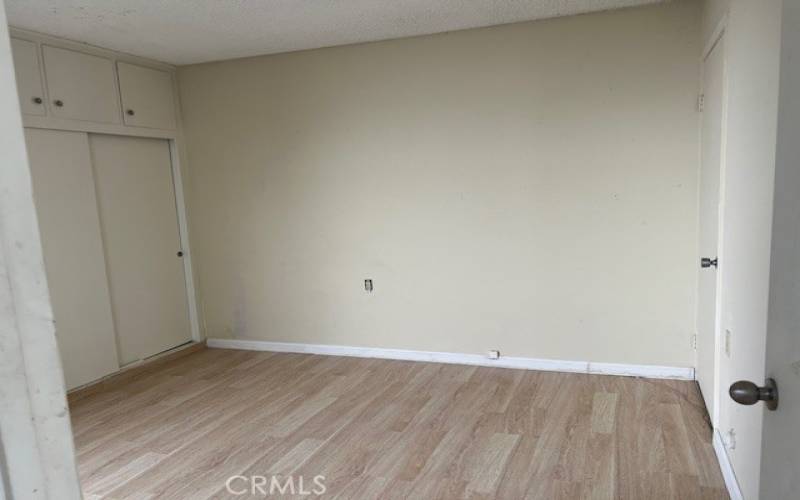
column 194, row 31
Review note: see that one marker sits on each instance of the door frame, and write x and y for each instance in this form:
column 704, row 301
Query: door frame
column 717, row 37
column 183, row 234
column 37, row 458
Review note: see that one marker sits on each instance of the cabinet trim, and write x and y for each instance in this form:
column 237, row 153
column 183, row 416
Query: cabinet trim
column 32, row 121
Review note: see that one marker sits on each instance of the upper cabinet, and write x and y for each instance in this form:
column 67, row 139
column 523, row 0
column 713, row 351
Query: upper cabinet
column 69, row 86
column 81, row 86
column 29, row 77
column 147, row 96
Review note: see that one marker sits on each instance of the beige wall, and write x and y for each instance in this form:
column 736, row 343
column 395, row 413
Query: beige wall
column 752, row 44
column 530, row 188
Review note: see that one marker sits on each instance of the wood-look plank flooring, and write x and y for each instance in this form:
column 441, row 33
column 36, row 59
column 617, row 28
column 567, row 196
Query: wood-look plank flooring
column 392, row 429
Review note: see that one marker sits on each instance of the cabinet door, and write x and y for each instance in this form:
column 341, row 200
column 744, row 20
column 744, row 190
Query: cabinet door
column 29, row 77
column 64, row 189
column 81, row 86
column 147, row 97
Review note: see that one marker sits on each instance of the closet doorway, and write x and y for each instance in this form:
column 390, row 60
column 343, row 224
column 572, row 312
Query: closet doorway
column 109, row 227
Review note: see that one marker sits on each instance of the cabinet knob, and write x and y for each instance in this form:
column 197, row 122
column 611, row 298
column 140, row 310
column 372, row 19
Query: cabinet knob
column 130, row 112
column 180, row 254
column 59, row 103
column 37, row 100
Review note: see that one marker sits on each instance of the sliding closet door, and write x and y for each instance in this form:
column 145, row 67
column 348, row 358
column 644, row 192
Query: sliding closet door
column 63, row 188
column 136, row 200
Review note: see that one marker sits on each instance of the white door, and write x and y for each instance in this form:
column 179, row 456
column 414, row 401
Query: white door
column 136, row 200
column 711, row 137
column 780, row 454
column 63, row 189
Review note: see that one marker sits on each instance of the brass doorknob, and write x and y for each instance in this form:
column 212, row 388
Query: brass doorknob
column 745, row 392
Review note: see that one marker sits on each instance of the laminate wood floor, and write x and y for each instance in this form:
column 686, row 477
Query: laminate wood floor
column 391, row 429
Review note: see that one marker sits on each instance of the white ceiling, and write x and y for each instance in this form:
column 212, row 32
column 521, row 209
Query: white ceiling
column 192, row 31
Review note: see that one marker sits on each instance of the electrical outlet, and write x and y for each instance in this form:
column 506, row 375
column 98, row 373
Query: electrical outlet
column 368, row 285
column 493, row 354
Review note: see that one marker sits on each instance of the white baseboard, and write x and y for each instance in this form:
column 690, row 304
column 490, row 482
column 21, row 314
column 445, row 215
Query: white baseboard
column 727, row 468
column 648, row 371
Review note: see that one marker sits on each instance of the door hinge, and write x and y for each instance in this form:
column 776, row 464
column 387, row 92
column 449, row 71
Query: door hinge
column 728, row 342
column 701, row 101
column 693, row 341
column 730, row 439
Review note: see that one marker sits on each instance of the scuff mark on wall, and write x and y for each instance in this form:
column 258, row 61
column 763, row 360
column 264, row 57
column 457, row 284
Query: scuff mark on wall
column 240, row 310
